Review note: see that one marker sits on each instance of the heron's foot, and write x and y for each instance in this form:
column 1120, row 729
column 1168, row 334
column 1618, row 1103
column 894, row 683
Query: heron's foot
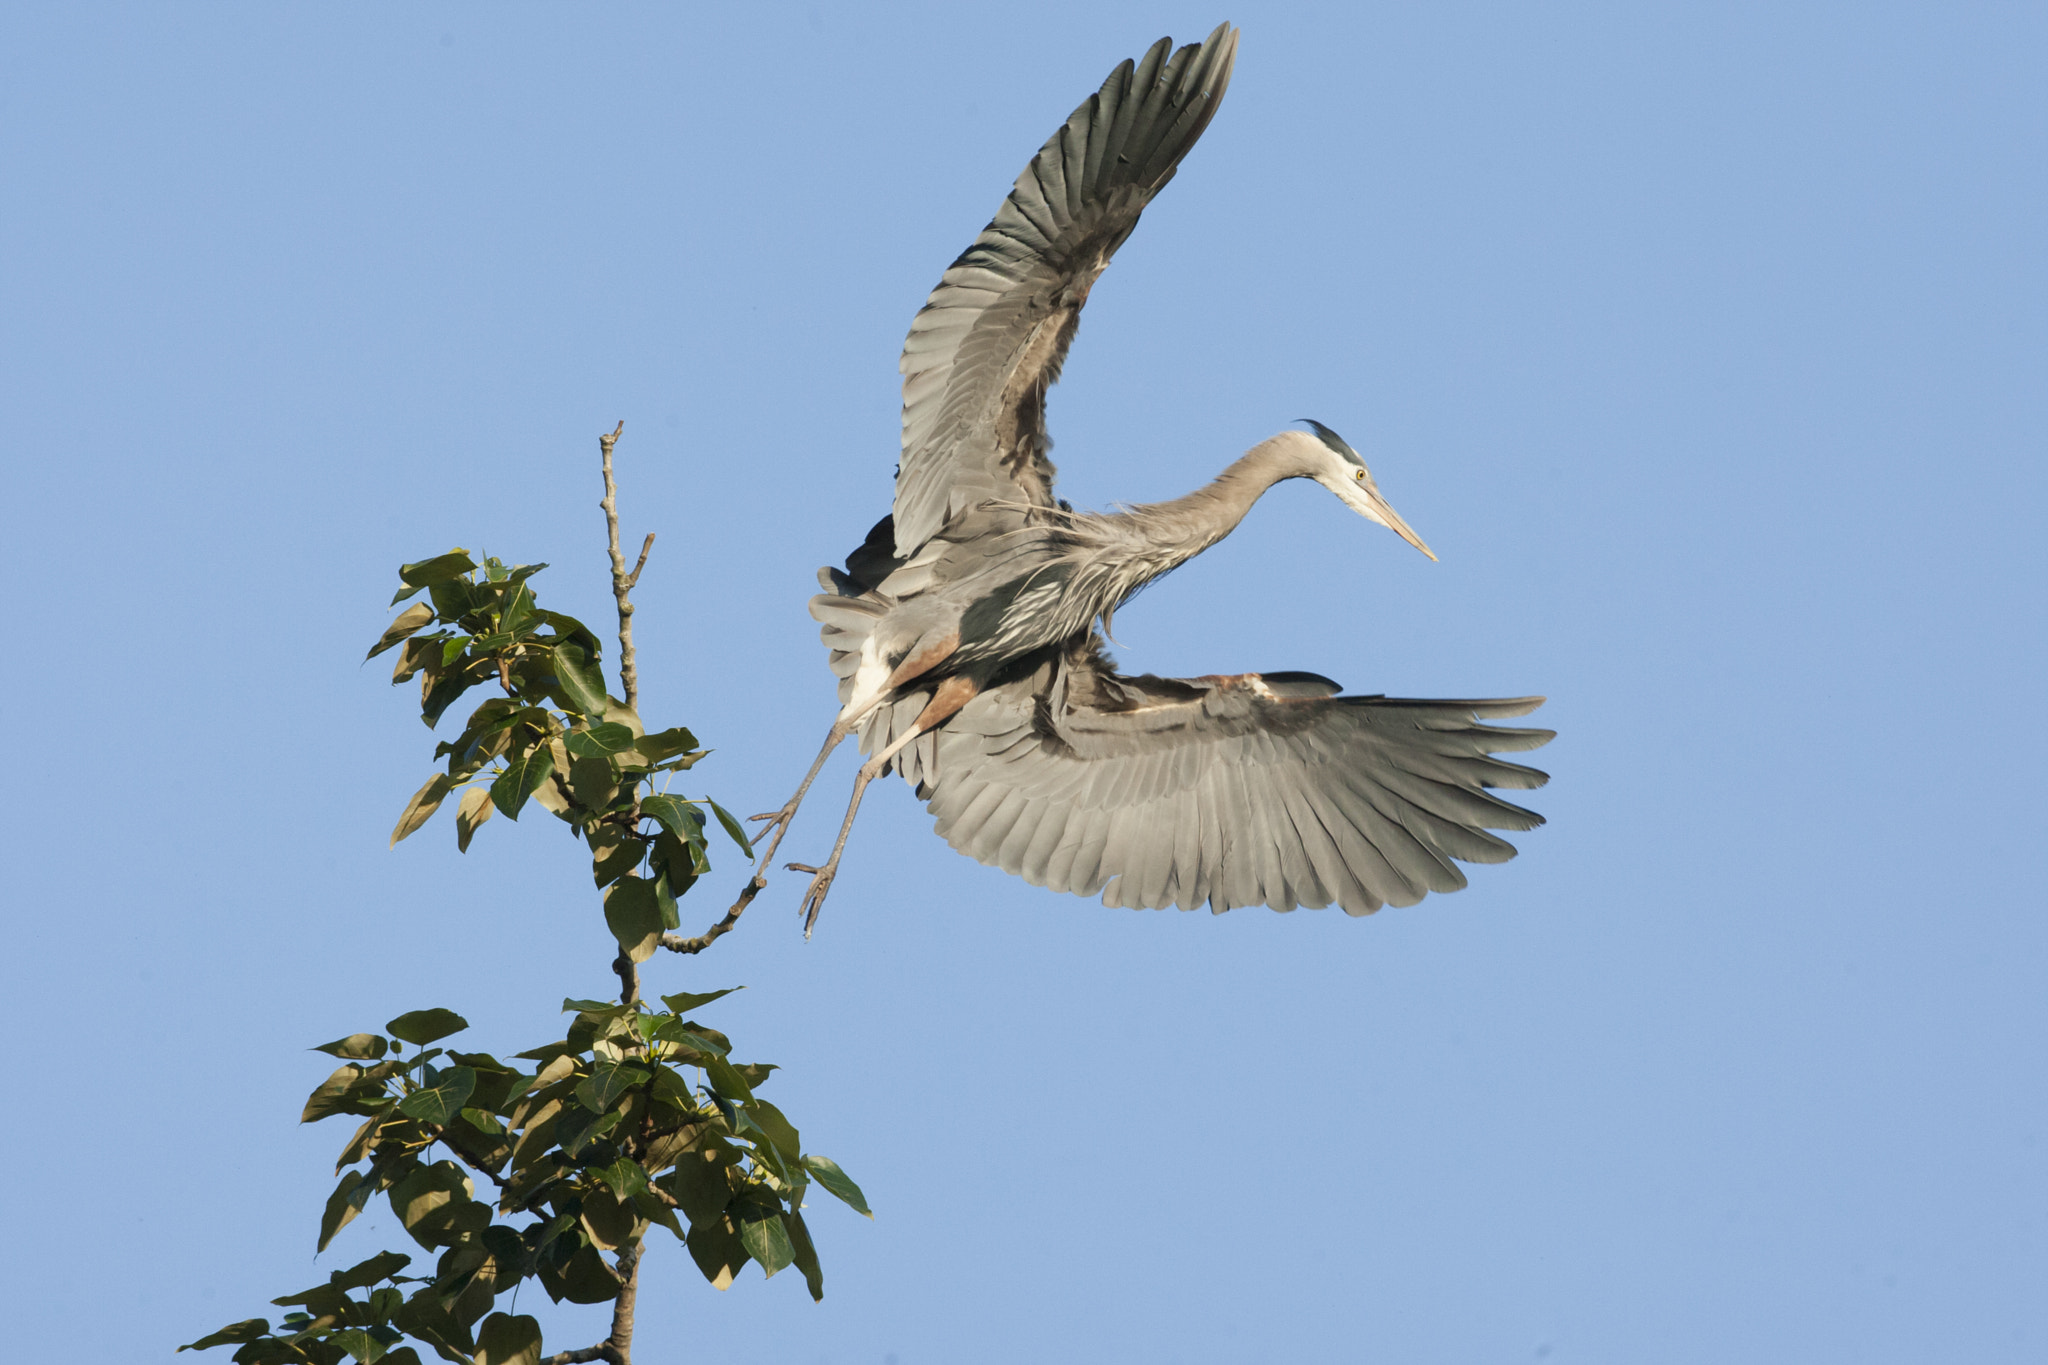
column 814, row 898
column 769, row 837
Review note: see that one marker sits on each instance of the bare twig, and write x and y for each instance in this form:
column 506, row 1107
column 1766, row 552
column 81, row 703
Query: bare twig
column 629, row 978
column 629, row 674
column 603, row 1352
column 676, row 943
column 622, row 582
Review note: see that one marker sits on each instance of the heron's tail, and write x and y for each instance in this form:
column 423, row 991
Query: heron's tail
column 848, row 610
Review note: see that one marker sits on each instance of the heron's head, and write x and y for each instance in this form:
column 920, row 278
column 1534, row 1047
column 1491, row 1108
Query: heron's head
column 1344, row 473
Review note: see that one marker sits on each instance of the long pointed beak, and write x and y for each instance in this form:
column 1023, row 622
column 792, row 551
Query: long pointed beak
column 1401, row 529
column 1381, row 511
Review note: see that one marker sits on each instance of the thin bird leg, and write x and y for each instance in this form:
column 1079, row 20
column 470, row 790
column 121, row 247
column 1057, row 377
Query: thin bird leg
column 952, row 694
column 781, row 818
column 926, row 655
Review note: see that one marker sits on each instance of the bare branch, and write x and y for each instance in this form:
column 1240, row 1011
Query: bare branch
column 622, row 582
column 676, row 943
column 621, row 1342
column 603, row 1352
column 629, row 978
column 646, row 545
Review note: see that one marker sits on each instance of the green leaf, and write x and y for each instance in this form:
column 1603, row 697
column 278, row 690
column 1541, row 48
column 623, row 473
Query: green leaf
column 673, row 1087
column 607, row 1082
column 359, row 1344
column 521, row 776
column 620, row 713
column 625, row 1177
column 608, row 1221
column 655, row 1209
column 665, row 744
column 418, row 654
column 420, row 1027
column 592, row 781
column 458, row 600
column 439, row 569
column 574, row 1136
column 732, row 827
column 838, row 1182
column 612, row 854
column 484, row 1121
column 421, row 808
column 248, row 1329
column 755, row 1073
column 365, row 1047
column 718, row 1251
column 677, row 816
column 550, row 796
column 365, row 1273
column 682, row 1002
column 608, row 1008
column 476, row 808
column 682, row 863
column 725, row 1080
column 634, row 917
column 359, row 1145
column 495, row 727
column 806, row 1254
column 424, row 1317
column 585, row 1278
column 779, row 1129
column 442, row 1101
column 694, row 1035
column 411, row 619
column 600, row 740
column 506, row 1340
column 435, row 1204
column 335, row 1095
column 767, row 1242
column 321, row 1300
column 581, row 683
column 343, row 1205
column 665, row 901
column 698, row 1183
column 441, row 690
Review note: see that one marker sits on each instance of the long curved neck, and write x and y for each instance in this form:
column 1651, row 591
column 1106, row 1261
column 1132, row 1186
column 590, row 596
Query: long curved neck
column 1186, row 526
column 1123, row 551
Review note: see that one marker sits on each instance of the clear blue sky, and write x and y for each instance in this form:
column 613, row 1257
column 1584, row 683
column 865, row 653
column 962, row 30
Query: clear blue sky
column 1705, row 343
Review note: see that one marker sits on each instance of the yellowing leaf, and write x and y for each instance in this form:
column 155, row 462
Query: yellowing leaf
column 411, row 619
column 421, row 808
column 476, row 808
column 506, row 1340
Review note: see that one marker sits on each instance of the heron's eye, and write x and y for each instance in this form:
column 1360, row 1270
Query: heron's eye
column 1361, row 475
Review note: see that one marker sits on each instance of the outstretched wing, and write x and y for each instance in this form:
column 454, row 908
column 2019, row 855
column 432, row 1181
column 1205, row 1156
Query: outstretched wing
column 1230, row 791
column 991, row 337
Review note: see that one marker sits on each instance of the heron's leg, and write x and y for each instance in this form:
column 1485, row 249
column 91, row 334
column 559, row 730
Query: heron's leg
column 849, row 720
column 780, row 818
column 952, row 694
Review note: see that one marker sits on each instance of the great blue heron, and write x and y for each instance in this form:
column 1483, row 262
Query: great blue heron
column 964, row 632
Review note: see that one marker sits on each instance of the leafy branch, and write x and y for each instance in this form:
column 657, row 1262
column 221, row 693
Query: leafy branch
column 637, row 1117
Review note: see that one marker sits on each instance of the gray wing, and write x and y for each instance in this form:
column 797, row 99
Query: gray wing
column 1226, row 791
column 992, row 336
